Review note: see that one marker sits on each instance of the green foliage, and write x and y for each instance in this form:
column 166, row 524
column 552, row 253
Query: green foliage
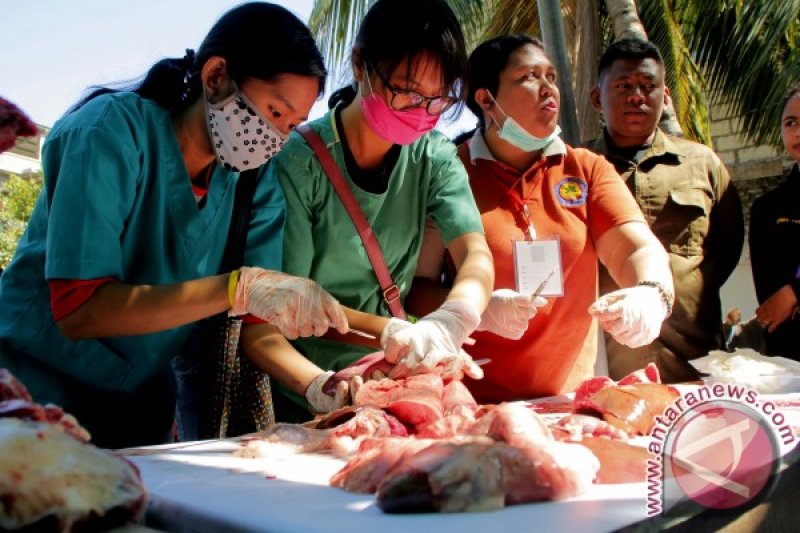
column 17, row 198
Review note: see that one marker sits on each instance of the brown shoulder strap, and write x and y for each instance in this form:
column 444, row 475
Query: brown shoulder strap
column 391, row 293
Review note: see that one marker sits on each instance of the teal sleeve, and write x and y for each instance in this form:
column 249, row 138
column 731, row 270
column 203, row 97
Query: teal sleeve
column 91, row 179
column 297, row 173
column 451, row 203
column 265, row 232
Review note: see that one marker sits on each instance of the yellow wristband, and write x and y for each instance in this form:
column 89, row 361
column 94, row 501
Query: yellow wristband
column 233, row 280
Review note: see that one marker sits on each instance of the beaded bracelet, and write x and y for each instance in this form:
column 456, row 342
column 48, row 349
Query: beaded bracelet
column 666, row 295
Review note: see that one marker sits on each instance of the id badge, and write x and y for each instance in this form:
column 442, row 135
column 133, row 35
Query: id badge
column 536, row 262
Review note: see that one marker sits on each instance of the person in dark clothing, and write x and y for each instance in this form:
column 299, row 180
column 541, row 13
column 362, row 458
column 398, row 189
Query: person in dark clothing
column 775, row 246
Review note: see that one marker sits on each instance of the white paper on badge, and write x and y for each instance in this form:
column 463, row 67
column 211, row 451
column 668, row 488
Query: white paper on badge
column 533, row 263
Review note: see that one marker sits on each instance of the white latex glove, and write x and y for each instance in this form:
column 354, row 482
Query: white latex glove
column 319, row 402
column 434, row 340
column 298, row 307
column 632, row 316
column 508, row 313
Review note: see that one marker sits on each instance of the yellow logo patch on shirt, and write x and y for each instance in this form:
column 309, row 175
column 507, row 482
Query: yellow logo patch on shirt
column 571, row 191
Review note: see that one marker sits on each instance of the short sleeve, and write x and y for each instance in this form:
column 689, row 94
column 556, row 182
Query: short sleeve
column 451, row 204
column 610, row 203
column 267, row 222
column 92, row 173
column 293, row 170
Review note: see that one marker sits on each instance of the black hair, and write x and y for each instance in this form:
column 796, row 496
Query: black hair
column 628, row 48
column 399, row 30
column 463, row 137
column 258, row 40
column 486, row 63
column 793, row 91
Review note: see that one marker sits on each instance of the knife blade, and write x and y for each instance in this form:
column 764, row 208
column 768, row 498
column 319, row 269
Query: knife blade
column 540, row 288
column 362, row 333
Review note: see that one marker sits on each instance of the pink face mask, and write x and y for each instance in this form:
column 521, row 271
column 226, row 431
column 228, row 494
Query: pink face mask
column 397, row 127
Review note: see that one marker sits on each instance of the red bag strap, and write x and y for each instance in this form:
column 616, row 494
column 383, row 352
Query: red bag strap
column 391, row 293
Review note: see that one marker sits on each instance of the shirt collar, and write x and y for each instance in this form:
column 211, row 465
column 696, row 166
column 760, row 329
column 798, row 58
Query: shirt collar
column 662, row 144
column 478, row 149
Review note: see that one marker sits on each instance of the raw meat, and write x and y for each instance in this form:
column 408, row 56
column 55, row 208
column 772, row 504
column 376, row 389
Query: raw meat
column 631, row 408
column 452, row 477
column 339, row 433
column 620, row 462
column 50, row 481
column 415, row 400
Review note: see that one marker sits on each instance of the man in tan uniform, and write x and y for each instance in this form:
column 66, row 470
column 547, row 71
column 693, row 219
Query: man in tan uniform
column 686, row 196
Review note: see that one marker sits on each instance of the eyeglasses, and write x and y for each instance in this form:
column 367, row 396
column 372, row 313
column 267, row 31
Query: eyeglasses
column 405, row 100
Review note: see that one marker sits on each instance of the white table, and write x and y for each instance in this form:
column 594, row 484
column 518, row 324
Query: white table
column 202, row 487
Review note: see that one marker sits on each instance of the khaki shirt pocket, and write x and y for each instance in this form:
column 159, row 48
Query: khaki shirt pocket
column 682, row 225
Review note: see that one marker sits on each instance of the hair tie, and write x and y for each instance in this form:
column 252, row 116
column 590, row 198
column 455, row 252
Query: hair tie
column 188, row 61
column 187, row 65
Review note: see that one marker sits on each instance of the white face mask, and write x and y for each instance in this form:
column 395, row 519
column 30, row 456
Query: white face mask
column 242, row 137
column 516, row 135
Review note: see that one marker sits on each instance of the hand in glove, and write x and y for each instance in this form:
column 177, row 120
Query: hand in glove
column 343, row 393
column 298, row 307
column 632, row 316
column 434, row 340
column 508, row 313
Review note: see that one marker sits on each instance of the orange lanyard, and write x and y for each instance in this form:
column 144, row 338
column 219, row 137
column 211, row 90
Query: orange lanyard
column 522, row 201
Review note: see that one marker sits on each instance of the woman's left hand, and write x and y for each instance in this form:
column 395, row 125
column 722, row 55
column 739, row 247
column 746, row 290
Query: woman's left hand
column 632, row 316
column 777, row 309
column 320, row 401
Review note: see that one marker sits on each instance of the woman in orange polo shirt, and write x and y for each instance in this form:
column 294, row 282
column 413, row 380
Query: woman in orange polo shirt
column 546, row 207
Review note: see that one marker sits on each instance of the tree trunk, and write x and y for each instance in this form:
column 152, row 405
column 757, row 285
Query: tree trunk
column 586, row 46
column 625, row 19
column 552, row 29
column 626, row 23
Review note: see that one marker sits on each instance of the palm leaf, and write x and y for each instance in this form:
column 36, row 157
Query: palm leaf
column 683, row 77
column 510, row 16
column 749, row 53
column 334, row 23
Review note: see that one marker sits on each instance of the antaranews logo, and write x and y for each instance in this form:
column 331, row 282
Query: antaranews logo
column 719, row 445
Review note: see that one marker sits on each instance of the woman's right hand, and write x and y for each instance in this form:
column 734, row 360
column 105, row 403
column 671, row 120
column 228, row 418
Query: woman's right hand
column 298, row 307
column 509, row 312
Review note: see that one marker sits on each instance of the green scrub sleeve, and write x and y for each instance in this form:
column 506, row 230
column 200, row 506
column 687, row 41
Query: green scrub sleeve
column 267, row 222
column 451, row 204
column 92, row 179
column 294, row 170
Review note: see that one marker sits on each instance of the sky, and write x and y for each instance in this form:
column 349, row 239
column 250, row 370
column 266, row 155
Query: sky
column 51, row 51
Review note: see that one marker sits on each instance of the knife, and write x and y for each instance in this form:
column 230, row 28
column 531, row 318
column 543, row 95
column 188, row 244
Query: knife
column 362, row 333
column 540, row 288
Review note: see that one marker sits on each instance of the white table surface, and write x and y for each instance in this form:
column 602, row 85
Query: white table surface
column 203, row 487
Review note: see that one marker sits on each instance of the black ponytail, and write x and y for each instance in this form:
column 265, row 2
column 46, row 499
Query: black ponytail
column 257, row 39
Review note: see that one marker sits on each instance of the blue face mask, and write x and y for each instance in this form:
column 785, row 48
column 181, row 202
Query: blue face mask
column 516, row 135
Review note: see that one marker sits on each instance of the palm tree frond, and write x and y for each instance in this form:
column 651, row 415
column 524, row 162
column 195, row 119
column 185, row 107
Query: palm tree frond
column 334, row 23
column 684, row 78
column 749, row 53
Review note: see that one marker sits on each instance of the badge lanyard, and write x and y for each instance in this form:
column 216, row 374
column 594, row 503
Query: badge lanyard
column 537, row 263
column 520, row 199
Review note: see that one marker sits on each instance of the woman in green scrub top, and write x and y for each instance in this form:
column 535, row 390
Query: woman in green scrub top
column 122, row 254
column 408, row 63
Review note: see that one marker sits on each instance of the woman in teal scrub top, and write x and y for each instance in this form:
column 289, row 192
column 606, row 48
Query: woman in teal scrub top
column 408, row 63
column 122, row 254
